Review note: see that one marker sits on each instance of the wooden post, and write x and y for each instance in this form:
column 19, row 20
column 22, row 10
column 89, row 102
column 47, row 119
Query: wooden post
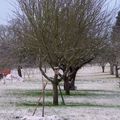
column 39, row 99
column 43, row 102
column 61, row 95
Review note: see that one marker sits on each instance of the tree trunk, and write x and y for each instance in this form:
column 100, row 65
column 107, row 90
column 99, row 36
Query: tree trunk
column 103, row 68
column 66, row 86
column 72, row 85
column 69, row 82
column 55, row 94
column 116, row 71
column 111, row 69
column 55, row 83
column 19, row 71
column 55, row 90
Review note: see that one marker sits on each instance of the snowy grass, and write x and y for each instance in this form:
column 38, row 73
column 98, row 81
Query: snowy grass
column 30, row 104
column 97, row 97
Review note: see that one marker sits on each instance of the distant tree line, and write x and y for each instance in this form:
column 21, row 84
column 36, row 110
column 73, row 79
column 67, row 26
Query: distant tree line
column 111, row 52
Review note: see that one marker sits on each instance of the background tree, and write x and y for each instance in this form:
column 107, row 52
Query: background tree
column 6, row 47
column 116, row 43
column 102, row 57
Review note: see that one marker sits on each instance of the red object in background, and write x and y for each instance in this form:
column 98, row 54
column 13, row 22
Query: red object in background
column 5, row 71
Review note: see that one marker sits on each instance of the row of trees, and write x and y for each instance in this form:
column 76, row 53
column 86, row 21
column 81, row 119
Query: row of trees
column 110, row 54
column 64, row 34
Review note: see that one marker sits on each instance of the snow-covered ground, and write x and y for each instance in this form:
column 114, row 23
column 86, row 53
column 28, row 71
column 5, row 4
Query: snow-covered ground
column 98, row 99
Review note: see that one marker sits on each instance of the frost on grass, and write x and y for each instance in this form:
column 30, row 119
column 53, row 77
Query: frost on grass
column 53, row 117
column 98, row 89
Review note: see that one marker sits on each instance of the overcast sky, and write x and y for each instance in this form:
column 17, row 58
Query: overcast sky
column 6, row 9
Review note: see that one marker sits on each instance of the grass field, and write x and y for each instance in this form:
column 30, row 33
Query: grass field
column 97, row 97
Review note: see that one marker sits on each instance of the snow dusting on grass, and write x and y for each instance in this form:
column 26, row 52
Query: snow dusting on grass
column 97, row 97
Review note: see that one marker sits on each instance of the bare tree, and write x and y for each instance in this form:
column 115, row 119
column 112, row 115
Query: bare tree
column 64, row 34
column 101, row 59
column 5, row 48
column 115, row 42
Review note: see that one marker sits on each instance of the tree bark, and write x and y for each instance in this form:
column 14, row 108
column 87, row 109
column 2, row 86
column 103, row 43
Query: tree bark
column 66, row 86
column 55, row 83
column 111, row 69
column 55, row 94
column 72, row 85
column 55, row 90
column 103, row 68
column 116, row 71
column 19, row 71
column 69, row 82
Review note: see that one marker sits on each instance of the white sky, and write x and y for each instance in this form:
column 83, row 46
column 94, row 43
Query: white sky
column 6, row 9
